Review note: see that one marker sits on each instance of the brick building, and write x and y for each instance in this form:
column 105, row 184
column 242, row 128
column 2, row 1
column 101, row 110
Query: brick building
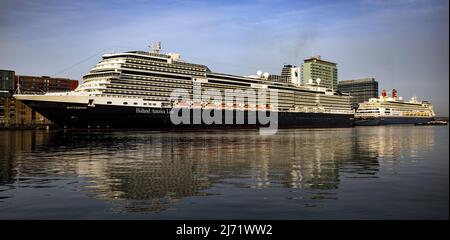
column 16, row 114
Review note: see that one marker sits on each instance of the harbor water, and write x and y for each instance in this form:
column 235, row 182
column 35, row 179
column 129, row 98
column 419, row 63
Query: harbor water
column 380, row 172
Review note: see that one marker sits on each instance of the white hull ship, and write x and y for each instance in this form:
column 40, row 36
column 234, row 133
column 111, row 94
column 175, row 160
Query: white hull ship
column 393, row 110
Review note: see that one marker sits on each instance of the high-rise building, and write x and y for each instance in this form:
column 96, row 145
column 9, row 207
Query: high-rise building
column 315, row 68
column 360, row 89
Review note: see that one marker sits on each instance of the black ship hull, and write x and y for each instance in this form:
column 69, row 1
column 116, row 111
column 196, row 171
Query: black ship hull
column 70, row 115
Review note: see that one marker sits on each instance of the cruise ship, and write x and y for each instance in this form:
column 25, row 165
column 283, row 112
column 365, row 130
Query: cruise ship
column 393, row 110
column 135, row 90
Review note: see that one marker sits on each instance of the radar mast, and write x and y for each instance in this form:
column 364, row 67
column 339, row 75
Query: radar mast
column 156, row 47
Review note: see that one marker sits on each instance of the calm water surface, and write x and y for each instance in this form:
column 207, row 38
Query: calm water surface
column 386, row 172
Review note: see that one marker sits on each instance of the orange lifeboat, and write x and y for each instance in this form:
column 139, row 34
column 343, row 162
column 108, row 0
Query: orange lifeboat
column 210, row 106
column 182, row 104
column 197, row 105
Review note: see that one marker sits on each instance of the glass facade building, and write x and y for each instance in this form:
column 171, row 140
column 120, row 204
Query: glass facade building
column 7, row 80
column 360, row 89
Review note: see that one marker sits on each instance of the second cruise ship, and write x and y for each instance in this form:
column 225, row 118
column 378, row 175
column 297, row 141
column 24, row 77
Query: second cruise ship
column 135, row 90
column 393, row 110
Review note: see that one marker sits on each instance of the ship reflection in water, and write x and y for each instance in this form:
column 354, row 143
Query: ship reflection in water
column 363, row 172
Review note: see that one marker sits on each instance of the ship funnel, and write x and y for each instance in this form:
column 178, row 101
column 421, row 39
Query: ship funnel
column 295, row 75
column 383, row 93
column 394, row 93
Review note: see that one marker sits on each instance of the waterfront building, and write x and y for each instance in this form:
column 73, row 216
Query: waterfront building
column 6, row 89
column 360, row 89
column 14, row 113
column 7, row 80
column 24, row 115
column 44, row 84
column 315, row 68
column 6, row 108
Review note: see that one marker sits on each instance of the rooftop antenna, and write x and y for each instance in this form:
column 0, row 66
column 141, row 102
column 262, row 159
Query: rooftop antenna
column 156, row 48
column 18, row 87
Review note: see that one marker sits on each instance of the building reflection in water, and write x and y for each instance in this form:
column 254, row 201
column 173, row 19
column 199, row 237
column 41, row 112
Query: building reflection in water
column 149, row 171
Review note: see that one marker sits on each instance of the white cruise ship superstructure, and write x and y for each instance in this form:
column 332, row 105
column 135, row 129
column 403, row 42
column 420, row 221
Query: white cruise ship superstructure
column 133, row 90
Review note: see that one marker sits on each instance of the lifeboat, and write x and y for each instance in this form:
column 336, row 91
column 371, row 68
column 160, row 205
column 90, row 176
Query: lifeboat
column 210, row 106
column 181, row 104
column 261, row 107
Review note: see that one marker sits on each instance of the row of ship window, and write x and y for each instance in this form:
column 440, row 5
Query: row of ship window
column 406, row 107
column 160, row 82
column 149, row 84
column 283, row 99
column 134, row 66
column 98, row 75
column 283, row 95
column 156, row 79
column 165, row 65
column 135, row 92
column 190, row 64
column 135, row 103
column 148, row 58
column 280, row 102
column 140, row 88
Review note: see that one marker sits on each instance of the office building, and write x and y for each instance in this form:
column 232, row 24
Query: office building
column 360, row 89
column 315, row 68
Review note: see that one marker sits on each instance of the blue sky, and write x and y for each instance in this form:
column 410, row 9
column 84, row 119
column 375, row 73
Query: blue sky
column 404, row 44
